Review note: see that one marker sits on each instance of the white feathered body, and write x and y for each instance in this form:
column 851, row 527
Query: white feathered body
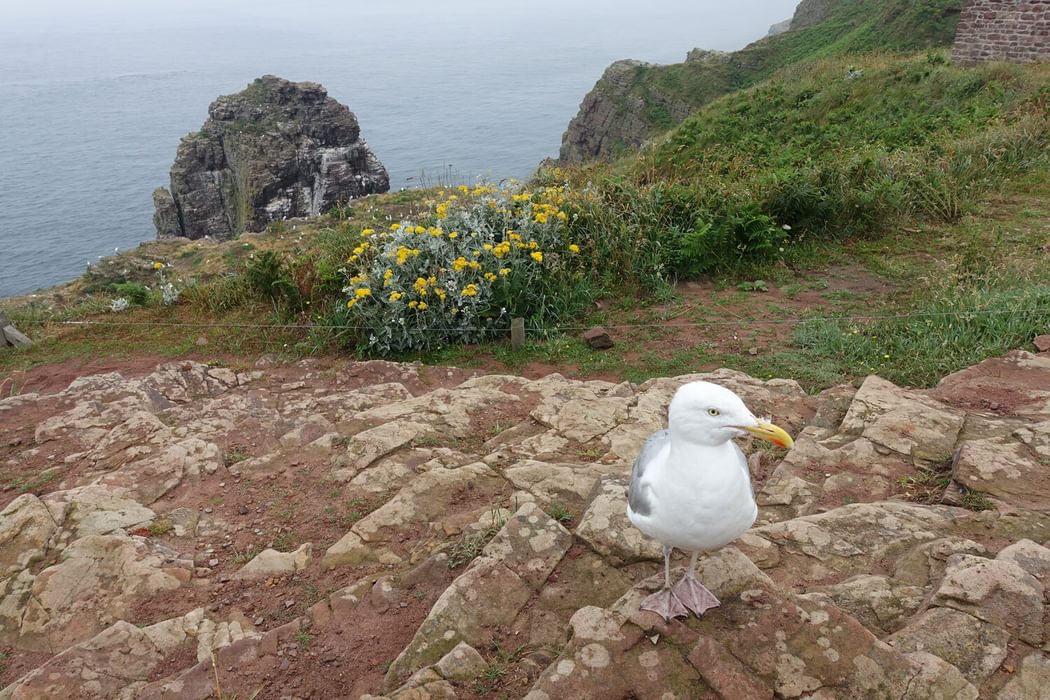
column 700, row 499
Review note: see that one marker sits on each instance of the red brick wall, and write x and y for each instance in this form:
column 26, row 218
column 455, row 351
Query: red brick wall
column 1003, row 30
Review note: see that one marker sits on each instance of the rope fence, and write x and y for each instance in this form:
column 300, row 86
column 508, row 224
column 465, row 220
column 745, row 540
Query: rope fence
column 670, row 324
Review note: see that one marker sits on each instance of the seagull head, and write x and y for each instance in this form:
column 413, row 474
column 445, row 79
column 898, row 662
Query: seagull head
column 709, row 414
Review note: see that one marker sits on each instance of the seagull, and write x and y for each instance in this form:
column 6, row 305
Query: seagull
column 691, row 487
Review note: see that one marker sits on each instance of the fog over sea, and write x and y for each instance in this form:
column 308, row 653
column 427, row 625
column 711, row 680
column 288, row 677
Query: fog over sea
column 95, row 94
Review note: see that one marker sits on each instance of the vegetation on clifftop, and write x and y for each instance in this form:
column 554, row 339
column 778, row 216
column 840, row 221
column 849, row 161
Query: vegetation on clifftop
column 926, row 181
column 847, row 27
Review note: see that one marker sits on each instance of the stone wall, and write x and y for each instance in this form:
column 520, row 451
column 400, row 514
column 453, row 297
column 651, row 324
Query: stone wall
column 1003, row 30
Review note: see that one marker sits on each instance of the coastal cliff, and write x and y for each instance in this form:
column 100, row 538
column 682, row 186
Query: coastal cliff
column 633, row 101
column 276, row 150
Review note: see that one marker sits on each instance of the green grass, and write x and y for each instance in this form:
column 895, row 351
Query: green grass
column 948, row 330
column 559, row 512
column 245, row 556
column 160, row 527
column 669, row 93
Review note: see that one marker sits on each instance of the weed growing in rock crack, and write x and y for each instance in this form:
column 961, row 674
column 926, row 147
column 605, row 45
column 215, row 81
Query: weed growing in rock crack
column 246, row 556
column 492, row 677
column 160, row 526
column 469, row 546
column 304, row 638
column 222, row 695
column 38, row 482
column 559, row 512
column 284, row 542
column 3, row 662
column 235, row 456
column 976, row 501
column 927, row 484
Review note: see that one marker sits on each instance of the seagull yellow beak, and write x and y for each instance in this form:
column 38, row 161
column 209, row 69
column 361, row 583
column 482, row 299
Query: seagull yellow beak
column 770, row 433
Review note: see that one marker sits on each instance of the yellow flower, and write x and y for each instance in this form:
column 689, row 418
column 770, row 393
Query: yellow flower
column 367, row 232
column 470, row 290
column 395, row 227
column 413, row 304
column 388, row 274
column 421, row 229
column 350, row 304
column 487, row 246
column 504, row 271
column 573, row 248
column 442, row 210
column 463, row 188
column 453, row 236
column 474, row 265
column 352, row 258
column 562, row 216
column 540, row 218
column 459, row 263
column 533, row 245
column 440, row 293
column 158, row 265
column 490, row 276
column 363, row 292
column 394, row 296
column 536, row 255
column 421, row 286
column 422, row 306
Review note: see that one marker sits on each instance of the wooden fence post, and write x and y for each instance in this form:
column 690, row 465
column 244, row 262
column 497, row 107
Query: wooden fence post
column 517, row 333
column 9, row 335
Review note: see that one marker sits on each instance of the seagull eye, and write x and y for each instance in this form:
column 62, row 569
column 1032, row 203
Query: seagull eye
column 713, row 412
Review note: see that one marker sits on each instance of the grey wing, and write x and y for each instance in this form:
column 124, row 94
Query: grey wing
column 637, row 498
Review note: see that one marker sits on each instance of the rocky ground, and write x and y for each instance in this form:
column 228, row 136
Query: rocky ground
column 374, row 529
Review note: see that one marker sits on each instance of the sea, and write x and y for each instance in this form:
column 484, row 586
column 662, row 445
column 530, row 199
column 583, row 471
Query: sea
column 95, row 94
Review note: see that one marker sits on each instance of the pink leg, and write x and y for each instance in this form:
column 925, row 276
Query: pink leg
column 665, row 603
column 693, row 594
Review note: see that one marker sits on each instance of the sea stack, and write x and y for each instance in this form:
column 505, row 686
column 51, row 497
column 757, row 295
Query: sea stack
column 275, row 150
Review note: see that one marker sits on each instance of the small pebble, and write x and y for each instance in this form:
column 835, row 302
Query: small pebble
column 208, row 510
column 213, row 563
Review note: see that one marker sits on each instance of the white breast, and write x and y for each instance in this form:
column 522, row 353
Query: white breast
column 700, row 505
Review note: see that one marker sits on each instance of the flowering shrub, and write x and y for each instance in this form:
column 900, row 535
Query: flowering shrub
column 483, row 256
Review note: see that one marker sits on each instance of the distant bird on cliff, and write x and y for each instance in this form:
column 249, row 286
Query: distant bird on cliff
column 691, row 486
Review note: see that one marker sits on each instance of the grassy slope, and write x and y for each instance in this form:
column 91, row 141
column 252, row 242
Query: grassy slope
column 850, row 27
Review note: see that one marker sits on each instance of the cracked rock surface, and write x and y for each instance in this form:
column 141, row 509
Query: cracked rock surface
column 382, row 530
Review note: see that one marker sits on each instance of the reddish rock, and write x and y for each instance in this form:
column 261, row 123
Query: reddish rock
column 598, row 338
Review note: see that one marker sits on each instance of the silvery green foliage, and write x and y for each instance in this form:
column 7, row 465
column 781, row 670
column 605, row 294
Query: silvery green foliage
column 484, row 256
column 169, row 293
column 118, row 304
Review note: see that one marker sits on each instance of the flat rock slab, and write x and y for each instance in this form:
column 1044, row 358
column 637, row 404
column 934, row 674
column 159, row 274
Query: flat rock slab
column 491, row 592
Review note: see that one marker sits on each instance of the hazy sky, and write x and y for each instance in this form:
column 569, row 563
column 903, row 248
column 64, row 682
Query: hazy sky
column 736, row 23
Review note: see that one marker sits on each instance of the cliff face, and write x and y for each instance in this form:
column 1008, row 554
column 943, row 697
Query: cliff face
column 633, row 101
column 277, row 149
column 609, row 120
column 810, row 12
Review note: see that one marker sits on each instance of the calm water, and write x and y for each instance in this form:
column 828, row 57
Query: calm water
column 92, row 107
